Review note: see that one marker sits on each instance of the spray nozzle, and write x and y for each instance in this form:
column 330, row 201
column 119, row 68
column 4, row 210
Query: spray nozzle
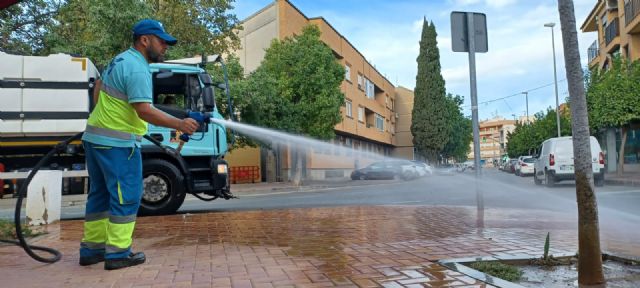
column 201, row 117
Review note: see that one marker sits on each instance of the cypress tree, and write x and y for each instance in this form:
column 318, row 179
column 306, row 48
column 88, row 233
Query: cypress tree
column 429, row 125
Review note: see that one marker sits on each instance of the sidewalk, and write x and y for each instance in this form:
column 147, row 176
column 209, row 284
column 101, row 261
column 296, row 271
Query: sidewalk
column 247, row 189
column 627, row 179
column 373, row 246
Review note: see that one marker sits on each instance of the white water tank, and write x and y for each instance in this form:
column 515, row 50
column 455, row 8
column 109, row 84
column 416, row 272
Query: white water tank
column 44, row 95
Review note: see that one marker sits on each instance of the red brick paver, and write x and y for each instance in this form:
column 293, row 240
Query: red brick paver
column 381, row 246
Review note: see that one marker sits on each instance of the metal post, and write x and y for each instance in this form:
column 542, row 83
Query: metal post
column 555, row 80
column 471, row 41
column 526, row 98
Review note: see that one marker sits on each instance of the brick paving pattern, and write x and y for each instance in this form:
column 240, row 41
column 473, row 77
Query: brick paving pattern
column 373, row 246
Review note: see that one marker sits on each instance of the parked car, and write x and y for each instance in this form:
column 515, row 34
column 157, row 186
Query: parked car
column 422, row 168
column 469, row 164
column 555, row 162
column 519, row 164
column 397, row 169
column 526, row 166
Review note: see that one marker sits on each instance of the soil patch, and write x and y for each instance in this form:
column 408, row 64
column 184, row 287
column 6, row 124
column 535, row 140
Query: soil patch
column 617, row 274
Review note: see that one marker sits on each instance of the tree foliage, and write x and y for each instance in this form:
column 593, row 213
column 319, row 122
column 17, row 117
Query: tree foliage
column 201, row 26
column 429, row 124
column 612, row 95
column 612, row 99
column 296, row 88
column 23, row 26
column 100, row 29
column 461, row 134
column 527, row 137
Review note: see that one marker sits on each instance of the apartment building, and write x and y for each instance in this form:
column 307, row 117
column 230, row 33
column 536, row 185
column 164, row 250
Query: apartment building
column 493, row 139
column 369, row 115
column 403, row 140
column 617, row 23
column 618, row 26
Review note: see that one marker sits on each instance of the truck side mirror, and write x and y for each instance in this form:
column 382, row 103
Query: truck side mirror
column 208, row 98
column 208, row 95
column 205, row 79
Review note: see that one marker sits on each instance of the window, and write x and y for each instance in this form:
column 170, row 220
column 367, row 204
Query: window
column 348, row 109
column 379, row 122
column 369, row 88
column 360, row 82
column 361, row 114
column 347, row 73
column 393, row 105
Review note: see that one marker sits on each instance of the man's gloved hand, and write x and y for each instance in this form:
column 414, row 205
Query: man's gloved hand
column 188, row 126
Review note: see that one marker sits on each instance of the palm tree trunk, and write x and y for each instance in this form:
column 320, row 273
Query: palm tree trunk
column 590, row 257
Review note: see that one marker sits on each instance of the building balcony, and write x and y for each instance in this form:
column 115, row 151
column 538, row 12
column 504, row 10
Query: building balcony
column 631, row 10
column 631, row 19
column 611, row 32
column 593, row 53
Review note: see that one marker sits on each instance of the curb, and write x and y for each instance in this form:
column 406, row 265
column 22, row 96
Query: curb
column 622, row 182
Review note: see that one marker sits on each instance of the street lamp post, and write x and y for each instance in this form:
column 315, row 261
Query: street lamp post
column 526, row 98
column 555, row 75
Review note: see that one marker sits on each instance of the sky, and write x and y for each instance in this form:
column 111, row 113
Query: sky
column 519, row 58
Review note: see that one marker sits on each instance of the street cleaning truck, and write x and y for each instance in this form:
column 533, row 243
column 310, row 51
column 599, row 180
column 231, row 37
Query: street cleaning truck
column 46, row 99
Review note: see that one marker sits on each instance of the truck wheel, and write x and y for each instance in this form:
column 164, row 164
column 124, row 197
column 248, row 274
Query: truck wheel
column 163, row 186
column 549, row 179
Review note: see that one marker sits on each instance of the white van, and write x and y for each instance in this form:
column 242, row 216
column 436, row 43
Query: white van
column 555, row 161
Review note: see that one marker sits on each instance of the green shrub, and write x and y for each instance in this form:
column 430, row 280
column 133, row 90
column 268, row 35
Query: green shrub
column 8, row 230
column 497, row 269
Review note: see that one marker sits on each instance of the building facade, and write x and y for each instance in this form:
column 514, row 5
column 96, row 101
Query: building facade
column 617, row 23
column 493, row 140
column 369, row 116
column 403, row 140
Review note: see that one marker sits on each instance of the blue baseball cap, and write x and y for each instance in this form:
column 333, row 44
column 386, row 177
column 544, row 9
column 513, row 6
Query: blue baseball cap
column 150, row 26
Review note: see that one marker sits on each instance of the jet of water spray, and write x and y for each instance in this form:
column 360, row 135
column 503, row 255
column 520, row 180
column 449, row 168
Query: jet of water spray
column 297, row 142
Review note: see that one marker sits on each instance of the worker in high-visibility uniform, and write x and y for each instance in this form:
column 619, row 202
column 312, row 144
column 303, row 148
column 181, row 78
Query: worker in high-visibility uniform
column 112, row 147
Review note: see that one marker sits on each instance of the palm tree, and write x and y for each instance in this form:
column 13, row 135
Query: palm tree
column 590, row 257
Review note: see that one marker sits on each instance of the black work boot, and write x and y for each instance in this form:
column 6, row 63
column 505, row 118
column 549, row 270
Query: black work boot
column 133, row 260
column 90, row 260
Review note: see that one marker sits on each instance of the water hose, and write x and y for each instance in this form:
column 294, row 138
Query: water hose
column 60, row 147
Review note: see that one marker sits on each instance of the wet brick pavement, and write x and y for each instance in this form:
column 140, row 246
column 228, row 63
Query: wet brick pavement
column 373, row 246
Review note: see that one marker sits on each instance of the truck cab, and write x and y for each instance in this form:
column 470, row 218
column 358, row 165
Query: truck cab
column 46, row 99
